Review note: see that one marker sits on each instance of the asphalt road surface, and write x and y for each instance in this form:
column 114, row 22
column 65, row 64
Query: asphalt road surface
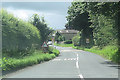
column 71, row 63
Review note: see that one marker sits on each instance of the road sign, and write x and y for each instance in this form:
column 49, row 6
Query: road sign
column 44, row 45
column 87, row 41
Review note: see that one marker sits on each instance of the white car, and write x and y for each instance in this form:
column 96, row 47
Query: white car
column 49, row 43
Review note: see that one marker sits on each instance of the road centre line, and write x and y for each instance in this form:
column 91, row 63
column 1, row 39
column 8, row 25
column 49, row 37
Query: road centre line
column 65, row 59
column 81, row 77
column 77, row 55
column 77, row 66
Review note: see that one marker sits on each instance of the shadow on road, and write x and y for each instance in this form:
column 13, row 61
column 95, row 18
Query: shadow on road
column 111, row 64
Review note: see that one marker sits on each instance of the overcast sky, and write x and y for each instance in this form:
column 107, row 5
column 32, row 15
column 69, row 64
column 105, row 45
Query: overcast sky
column 54, row 12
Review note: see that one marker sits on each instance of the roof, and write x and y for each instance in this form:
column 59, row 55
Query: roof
column 68, row 31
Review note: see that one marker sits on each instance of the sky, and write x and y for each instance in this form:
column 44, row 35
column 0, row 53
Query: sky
column 54, row 12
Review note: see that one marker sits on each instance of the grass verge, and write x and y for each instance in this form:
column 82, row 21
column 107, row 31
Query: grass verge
column 35, row 58
column 64, row 45
column 109, row 52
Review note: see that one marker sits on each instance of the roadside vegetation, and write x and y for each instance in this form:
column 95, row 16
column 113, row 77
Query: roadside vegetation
column 98, row 27
column 58, row 37
column 22, row 41
column 107, row 52
column 10, row 63
column 63, row 45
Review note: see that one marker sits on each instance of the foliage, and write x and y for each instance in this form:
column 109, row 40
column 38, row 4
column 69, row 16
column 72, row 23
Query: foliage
column 104, row 22
column 57, row 34
column 68, row 42
column 103, row 18
column 77, row 19
column 21, row 40
column 9, row 63
column 78, row 47
column 56, row 52
column 109, row 52
column 64, row 45
column 76, row 40
column 18, row 37
column 53, row 50
column 41, row 26
column 105, row 33
column 59, row 37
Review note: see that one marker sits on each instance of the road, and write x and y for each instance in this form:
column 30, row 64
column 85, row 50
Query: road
column 71, row 63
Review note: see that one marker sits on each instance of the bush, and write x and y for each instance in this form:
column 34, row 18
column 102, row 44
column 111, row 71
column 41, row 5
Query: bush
column 8, row 63
column 56, row 52
column 59, row 37
column 53, row 51
column 50, row 49
column 42, row 26
column 76, row 40
column 109, row 52
column 68, row 42
column 18, row 37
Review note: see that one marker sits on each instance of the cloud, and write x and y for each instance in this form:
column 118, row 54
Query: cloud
column 26, row 14
column 22, row 14
column 53, row 12
column 57, row 7
column 54, row 20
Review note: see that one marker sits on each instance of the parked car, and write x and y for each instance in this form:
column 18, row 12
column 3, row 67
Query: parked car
column 49, row 43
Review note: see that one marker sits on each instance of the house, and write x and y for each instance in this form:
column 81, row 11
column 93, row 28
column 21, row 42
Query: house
column 68, row 34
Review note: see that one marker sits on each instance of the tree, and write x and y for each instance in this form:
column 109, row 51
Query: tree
column 104, row 18
column 76, row 19
column 41, row 26
column 110, row 11
column 79, row 20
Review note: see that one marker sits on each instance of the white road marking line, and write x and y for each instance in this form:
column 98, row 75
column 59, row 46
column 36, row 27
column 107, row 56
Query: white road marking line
column 77, row 57
column 56, row 59
column 68, row 59
column 77, row 62
column 81, row 77
column 77, row 65
column 65, row 59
